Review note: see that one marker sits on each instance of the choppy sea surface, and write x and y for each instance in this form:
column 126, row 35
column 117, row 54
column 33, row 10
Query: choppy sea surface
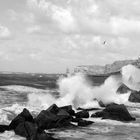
column 17, row 92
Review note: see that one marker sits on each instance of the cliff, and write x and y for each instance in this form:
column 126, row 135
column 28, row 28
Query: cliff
column 106, row 69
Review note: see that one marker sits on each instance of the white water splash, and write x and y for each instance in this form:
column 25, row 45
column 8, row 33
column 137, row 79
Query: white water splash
column 77, row 91
column 131, row 76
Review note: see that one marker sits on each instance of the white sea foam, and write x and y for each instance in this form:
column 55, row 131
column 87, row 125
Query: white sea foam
column 10, row 135
column 131, row 76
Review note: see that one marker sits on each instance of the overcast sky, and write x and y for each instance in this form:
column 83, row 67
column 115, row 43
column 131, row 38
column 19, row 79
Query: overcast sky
column 50, row 35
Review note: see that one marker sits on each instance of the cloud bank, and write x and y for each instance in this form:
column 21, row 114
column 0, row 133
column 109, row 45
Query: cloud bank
column 62, row 33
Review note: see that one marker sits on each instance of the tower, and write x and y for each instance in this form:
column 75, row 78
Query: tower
column 67, row 72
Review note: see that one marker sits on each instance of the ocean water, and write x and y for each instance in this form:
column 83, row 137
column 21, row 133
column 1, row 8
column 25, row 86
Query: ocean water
column 34, row 93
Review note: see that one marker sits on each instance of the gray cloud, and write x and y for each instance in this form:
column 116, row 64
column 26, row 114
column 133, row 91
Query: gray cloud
column 4, row 32
column 61, row 33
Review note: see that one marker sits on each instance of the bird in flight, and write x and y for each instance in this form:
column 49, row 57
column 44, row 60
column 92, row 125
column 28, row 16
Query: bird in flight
column 104, row 42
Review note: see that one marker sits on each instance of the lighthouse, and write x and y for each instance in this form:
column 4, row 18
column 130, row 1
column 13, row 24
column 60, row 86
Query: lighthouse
column 67, row 72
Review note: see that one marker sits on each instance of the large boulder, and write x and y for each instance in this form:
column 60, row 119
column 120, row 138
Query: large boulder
column 101, row 104
column 114, row 112
column 82, row 114
column 53, row 109
column 134, row 97
column 123, row 89
column 3, row 128
column 62, row 112
column 21, row 118
column 65, row 110
column 48, row 120
column 68, row 109
column 30, row 132
column 88, row 109
column 85, row 123
column 43, row 136
column 26, row 129
column 76, row 120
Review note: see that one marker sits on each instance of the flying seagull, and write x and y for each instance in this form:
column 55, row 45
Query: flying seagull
column 104, row 42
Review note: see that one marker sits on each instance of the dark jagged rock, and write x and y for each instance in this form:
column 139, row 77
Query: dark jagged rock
column 27, row 115
column 89, row 109
column 68, row 109
column 135, row 97
column 123, row 89
column 82, row 114
column 30, row 131
column 101, row 104
column 56, row 110
column 62, row 112
column 84, row 123
column 114, row 112
column 48, row 120
column 76, row 119
column 55, row 117
column 43, row 136
column 3, row 128
column 26, row 129
column 21, row 118
column 63, row 121
column 53, row 109
column 111, row 105
column 16, row 121
column 98, row 114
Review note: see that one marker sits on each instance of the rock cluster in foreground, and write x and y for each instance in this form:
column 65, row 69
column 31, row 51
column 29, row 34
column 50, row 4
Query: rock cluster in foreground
column 57, row 117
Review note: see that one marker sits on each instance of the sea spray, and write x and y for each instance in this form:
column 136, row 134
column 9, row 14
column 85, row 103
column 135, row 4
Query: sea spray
column 77, row 91
column 131, row 76
column 40, row 100
column 107, row 92
column 73, row 90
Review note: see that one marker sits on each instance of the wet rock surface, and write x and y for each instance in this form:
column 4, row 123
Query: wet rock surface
column 114, row 112
column 82, row 114
column 123, row 89
column 60, row 117
column 134, row 97
column 3, row 128
column 22, row 117
column 85, row 123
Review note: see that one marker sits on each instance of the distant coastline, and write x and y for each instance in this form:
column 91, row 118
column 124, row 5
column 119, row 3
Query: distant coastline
column 107, row 69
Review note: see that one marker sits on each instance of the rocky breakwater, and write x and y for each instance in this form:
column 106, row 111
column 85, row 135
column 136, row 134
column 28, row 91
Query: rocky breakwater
column 60, row 117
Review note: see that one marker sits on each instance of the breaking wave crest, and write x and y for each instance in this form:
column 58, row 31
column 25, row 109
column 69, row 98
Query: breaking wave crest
column 77, row 91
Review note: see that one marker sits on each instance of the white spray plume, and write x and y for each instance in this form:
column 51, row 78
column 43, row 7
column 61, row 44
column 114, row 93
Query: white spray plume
column 74, row 90
column 131, row 76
